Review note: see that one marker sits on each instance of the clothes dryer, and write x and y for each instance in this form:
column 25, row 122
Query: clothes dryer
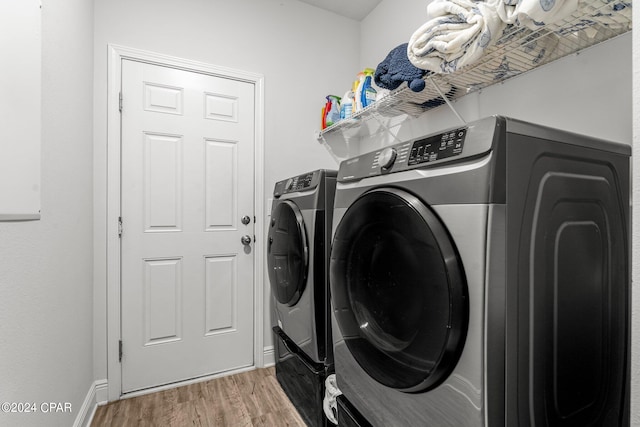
column 298, row 245
column 480, row 277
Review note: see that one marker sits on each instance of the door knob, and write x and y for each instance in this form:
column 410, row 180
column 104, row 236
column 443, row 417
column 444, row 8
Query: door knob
column 246, row 240
column 246, row 219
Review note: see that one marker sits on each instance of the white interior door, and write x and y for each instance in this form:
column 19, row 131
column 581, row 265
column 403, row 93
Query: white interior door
column 187, row 180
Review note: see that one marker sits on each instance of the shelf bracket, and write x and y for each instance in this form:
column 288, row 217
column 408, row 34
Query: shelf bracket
column 386, row 128
column 320, row 137
column 444, row 97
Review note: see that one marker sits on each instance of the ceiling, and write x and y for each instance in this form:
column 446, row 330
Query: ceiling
column 354, row 9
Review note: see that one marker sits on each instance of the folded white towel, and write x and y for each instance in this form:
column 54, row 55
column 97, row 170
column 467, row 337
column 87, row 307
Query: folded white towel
column 532, row 49
column 598, row 14
column 457, row 34
column 611, row 14
column 534, row 13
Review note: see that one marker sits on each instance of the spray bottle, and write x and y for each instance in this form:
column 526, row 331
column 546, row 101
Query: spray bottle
column 332, row 110
column 368, row 92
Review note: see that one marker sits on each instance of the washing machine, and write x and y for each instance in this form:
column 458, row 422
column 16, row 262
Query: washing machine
column 298, row 243
column 480, row 277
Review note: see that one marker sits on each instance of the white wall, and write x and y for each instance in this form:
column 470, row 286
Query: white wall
column 45, row 272
column 390, row 24
column 285, row 40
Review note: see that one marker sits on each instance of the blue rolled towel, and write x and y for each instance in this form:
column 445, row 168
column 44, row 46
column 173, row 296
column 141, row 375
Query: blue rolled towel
column 396, row 69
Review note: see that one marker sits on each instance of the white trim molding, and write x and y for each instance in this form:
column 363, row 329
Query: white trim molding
column 116, row 54
column 91, row 403
column 102, row 392
column 269, row 356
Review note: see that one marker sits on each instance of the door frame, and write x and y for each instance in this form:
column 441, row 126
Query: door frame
column 116, row 54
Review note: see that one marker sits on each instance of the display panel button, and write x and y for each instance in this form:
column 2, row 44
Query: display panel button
column 438, row 147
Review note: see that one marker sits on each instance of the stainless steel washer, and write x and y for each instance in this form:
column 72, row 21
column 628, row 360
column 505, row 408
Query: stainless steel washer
column 298, row 263
column 480, row 277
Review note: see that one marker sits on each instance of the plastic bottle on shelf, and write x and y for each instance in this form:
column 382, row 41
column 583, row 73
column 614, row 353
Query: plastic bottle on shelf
column 358, row 93
column 332, row 110
column 323, row 121
column 346, row 104
column 368, row 92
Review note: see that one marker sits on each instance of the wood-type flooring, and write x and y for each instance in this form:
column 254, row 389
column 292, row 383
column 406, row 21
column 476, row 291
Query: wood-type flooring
column 248, row 399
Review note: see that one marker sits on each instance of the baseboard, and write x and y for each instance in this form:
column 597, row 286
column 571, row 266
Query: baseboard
column 97, row 394
column 102, row 392
column 269, row 356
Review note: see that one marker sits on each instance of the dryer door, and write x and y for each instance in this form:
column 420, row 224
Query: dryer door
column 398, row 289
column 287, row 253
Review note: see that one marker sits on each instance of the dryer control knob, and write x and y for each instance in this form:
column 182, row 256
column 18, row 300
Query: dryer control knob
column 387, row 157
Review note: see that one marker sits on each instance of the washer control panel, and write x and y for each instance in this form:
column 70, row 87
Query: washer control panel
column 304, row 182
column 455, row 144
column 437, row 147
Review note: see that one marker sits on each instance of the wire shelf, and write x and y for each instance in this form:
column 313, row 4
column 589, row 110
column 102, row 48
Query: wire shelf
column 518, row 51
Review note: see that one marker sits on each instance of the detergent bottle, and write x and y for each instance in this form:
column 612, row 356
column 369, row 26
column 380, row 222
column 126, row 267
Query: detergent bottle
column 332, row 110
column 358, row 93
column 346, row 104
column 368, row 92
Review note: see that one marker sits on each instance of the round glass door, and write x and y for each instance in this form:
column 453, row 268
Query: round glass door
column 398, row 289
column 287, row 253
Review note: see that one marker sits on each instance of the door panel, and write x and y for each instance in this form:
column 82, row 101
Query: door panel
column 162, row 182
column 221, row 282
column 221, row 163
column 162, row 300
column 187, row 177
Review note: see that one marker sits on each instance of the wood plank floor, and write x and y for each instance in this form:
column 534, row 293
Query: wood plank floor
column 247, row 399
